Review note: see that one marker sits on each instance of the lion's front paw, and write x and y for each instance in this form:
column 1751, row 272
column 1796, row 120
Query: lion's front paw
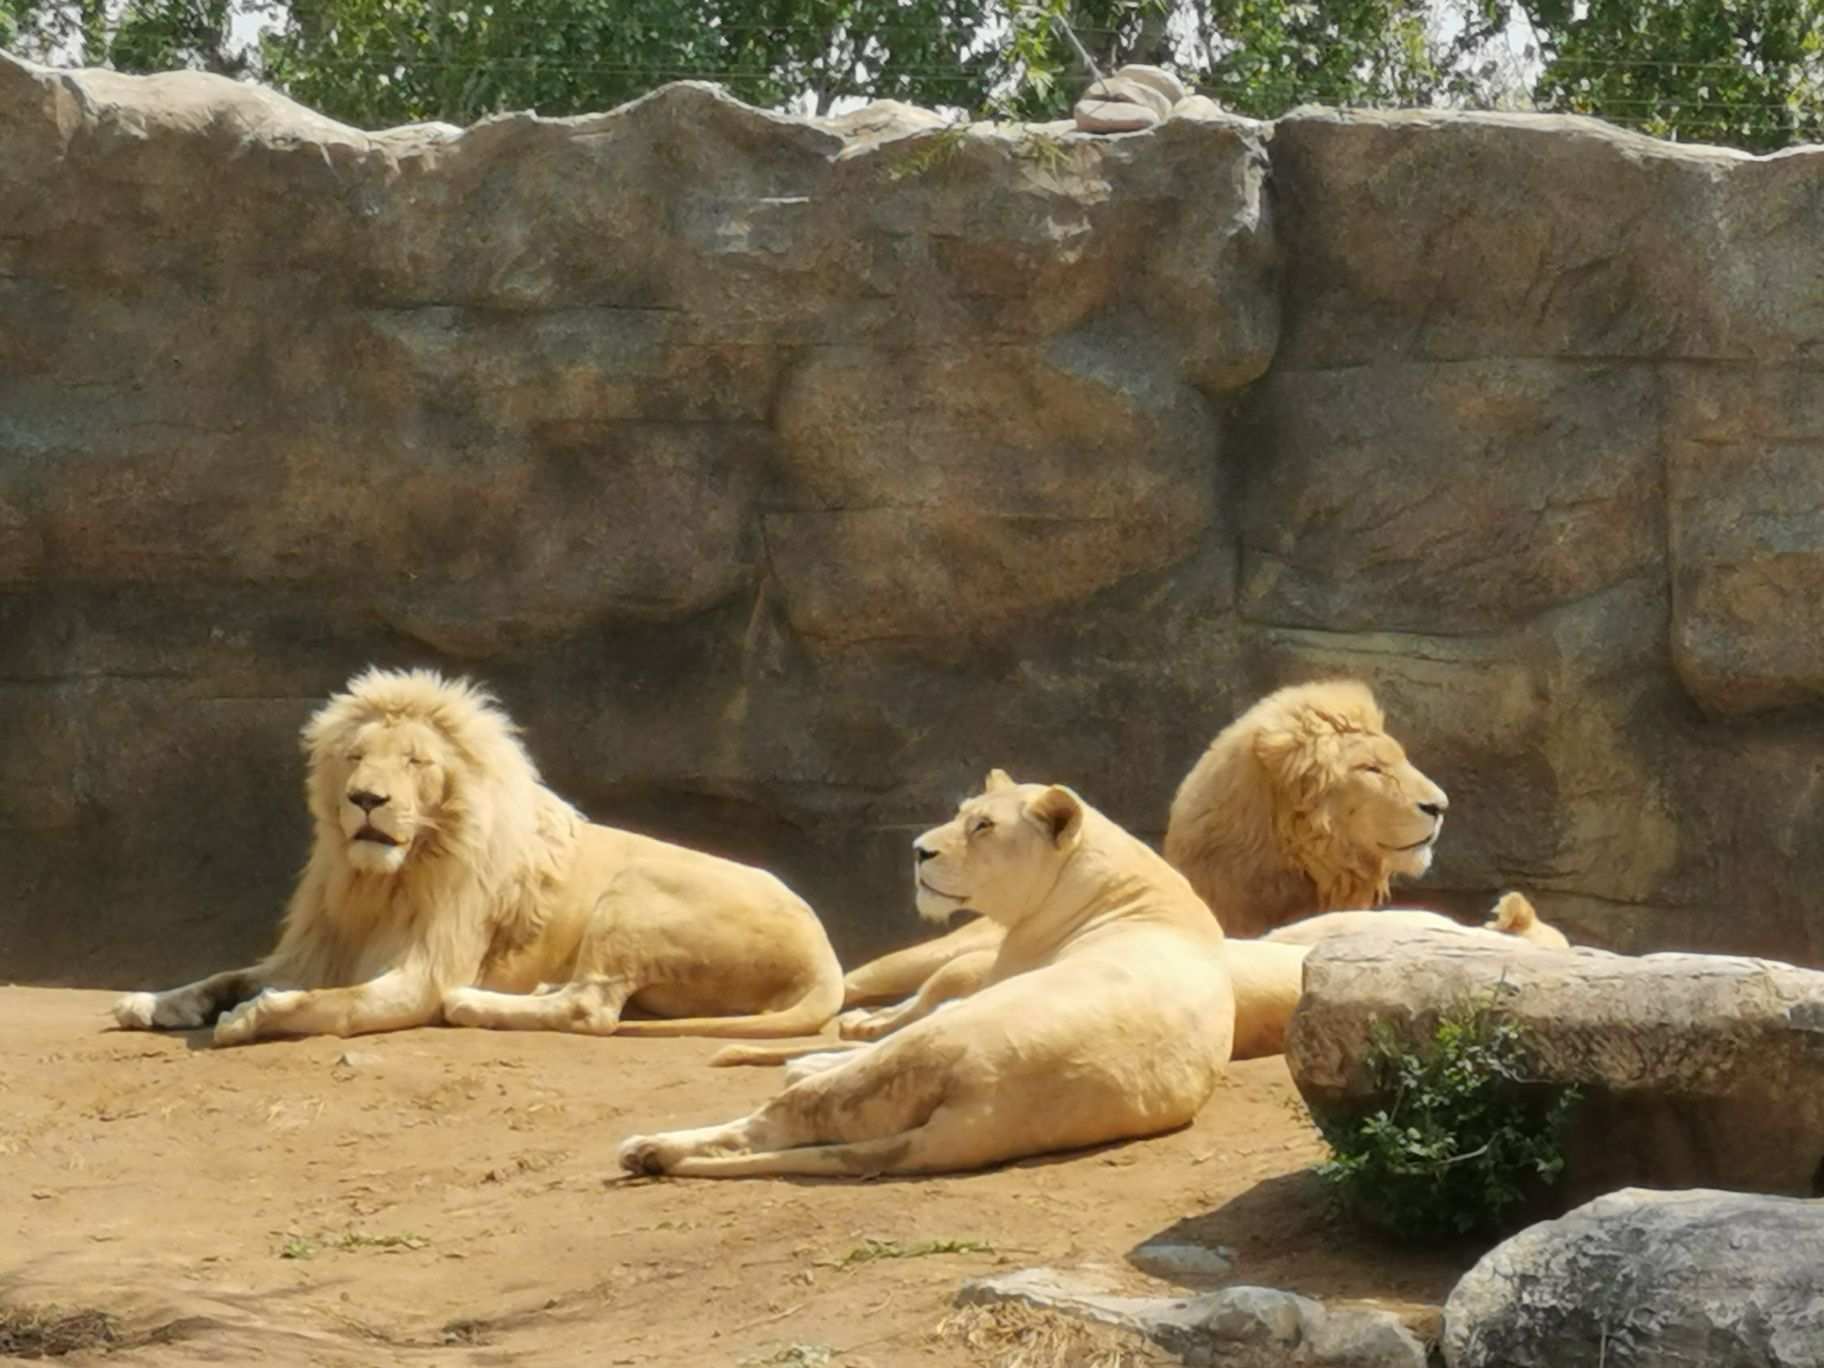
column 861, row 1024
column 643, row 1156
column 134, row 1011
column 239, row 1026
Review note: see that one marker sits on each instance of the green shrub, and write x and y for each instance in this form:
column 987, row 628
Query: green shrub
column 1467, row 1138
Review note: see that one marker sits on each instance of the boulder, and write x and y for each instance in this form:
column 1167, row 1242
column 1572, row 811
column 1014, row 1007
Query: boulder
column 1234, row 1327
column 1694, row 1069
column 1641, row 1279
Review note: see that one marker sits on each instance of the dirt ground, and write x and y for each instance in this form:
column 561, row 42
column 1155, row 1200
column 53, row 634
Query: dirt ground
column 450, row 1196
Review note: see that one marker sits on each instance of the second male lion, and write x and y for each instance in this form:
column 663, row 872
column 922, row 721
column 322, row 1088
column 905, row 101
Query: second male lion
column 1108, row 1019
column 1303, row 804
column 446, row 882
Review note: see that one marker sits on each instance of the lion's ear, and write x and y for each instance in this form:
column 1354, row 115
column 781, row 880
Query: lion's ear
column 998, row 781
column 1059, row 813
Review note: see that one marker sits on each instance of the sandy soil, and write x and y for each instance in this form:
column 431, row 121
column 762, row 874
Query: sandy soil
column 449, row 1196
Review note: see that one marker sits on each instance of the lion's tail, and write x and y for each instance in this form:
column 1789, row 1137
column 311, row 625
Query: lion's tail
column 1513, row 915
column 807, row 1016
column 765, row 1056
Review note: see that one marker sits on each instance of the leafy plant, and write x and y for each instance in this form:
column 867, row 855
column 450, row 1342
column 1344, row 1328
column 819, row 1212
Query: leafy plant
column 1468, row 1135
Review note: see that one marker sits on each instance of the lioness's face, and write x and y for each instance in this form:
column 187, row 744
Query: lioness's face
column 389, row 780
column 1000, row 855
column 1380, row 801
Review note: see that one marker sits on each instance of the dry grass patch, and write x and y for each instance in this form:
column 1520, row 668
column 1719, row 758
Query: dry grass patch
column 1009, row 1335
column 39, row 1332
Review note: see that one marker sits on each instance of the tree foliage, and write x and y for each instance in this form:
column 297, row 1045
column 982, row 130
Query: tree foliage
column 1739, row 72
column 382, row 61
column 1742, row 72
column 1263, row 57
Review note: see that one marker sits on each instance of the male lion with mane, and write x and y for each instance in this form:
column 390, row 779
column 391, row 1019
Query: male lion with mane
column 1303, row 804
column 447, row 882
column 1116, row 1026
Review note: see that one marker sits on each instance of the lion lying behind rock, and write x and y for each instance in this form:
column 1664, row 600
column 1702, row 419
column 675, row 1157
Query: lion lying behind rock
column 1513, row 916
column 1116, row 1026
column 447, row 882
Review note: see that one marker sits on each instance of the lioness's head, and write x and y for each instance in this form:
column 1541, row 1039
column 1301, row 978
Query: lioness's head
column 1349, row 799
column 396, row 763
column 1001, row 854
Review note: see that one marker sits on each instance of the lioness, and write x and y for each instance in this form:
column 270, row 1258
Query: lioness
column 1107, row 1018
column 446, row 881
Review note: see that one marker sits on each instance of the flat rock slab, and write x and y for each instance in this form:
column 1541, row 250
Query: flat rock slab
column 1643, row 1279
column 1695, row 1069
column 1236, row 1327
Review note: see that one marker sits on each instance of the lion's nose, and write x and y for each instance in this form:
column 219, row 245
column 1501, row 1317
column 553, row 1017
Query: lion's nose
column 920, row 854
column 1435, row 809
column 364, row 800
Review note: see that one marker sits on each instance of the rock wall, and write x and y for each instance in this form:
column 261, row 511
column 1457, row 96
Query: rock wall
column 783, row 475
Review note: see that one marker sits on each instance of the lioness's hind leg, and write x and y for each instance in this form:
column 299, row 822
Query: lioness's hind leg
column 656, row 1154
column 855, row 1159
column 862, row 1098
column 587, row 1007
column 943, row 1144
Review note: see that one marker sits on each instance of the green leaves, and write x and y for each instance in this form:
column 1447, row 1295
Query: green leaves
column 1263, row 57
column 388, row 61
column 1466, row 1139
column 1742, row 72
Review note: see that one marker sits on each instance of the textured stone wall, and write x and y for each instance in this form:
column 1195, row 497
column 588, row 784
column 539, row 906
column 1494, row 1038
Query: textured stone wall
column 783, row 475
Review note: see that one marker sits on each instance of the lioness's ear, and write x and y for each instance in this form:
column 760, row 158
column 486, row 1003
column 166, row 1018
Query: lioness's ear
column 1059, row 813
column 997, row 781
